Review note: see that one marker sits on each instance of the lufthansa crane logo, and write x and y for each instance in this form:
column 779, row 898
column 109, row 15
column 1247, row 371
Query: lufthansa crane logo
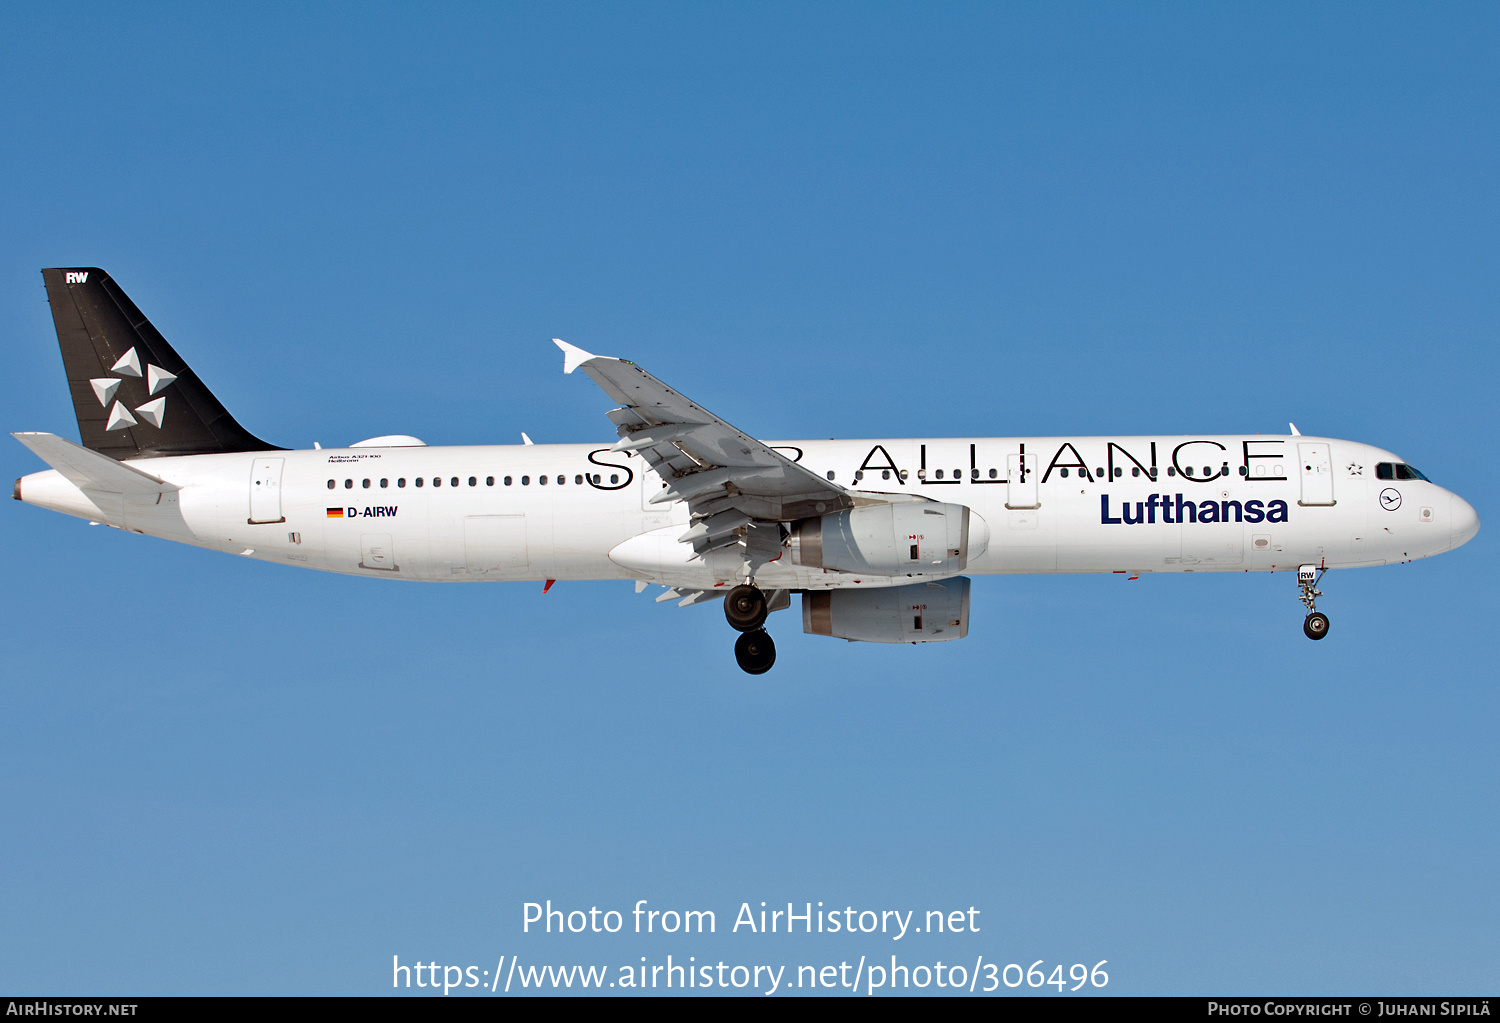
column 1390, row 499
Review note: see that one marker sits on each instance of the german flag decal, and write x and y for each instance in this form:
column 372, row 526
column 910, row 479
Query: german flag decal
column 335, row 513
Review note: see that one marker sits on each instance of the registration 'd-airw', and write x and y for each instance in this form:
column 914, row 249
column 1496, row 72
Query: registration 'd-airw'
column 877, row 536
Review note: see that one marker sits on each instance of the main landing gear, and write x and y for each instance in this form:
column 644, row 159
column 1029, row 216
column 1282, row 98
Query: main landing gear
column 755, row 651
column 1315, row 626
column 746, row 608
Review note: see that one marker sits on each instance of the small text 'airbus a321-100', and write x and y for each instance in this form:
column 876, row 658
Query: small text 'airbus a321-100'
column 878, row 536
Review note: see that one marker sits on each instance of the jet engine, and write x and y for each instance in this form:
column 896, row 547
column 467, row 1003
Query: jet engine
column 916, row 538
column 916, row 613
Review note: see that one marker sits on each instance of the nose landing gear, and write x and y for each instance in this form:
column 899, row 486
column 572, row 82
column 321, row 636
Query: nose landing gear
column 1315, row 626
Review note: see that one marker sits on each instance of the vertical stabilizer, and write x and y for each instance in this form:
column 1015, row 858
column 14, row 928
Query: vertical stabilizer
column 132, row 393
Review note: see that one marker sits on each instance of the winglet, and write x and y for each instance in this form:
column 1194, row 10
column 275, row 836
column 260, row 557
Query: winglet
column 1295, row 432
column 573, row 356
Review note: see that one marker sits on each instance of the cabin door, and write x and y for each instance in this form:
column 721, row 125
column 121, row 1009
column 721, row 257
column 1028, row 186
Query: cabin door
column 265, row 490
column 1316, row 468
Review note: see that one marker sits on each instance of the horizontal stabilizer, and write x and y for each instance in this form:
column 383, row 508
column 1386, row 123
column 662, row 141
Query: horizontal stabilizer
column 89, row 470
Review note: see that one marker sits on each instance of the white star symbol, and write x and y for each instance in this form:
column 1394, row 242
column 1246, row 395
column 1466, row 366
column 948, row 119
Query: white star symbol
column 152, row 412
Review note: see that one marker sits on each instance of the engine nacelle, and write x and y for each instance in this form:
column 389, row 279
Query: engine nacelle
column 915, row 613
column 916, row 538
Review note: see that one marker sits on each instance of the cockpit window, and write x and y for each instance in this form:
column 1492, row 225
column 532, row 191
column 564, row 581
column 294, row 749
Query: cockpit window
column 1398, row 471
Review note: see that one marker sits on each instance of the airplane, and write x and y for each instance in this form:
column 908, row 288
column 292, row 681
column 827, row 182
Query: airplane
column 878, row 537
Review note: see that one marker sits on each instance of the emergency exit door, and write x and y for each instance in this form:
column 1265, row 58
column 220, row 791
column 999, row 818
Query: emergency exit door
column 1315, row 465
column 1022, row 492
column 265, row 490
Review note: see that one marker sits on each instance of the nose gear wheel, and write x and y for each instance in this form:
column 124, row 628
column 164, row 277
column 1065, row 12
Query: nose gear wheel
column 1315, row 626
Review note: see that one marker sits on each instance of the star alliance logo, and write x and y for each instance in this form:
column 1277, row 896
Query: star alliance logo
column 152, row 412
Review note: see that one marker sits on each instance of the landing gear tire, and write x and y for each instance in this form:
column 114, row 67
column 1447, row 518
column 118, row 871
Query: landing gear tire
column 755, row 652
column 745, row 609
column 1315, row 626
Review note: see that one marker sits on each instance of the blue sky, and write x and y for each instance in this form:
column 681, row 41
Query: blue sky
column 221, row 776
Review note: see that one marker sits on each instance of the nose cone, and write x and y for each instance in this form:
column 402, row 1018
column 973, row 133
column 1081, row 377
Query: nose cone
column 1463, row 521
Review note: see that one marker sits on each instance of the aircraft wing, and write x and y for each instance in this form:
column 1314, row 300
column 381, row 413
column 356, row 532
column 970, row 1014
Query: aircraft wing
column 728, row 478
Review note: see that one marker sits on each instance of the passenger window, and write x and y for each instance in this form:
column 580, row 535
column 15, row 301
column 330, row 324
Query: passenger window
column 1188, row 471
column 507, row 481
column 993, row 474
column 542, row 480
column 1099, row 473
column 859, row 474
column 525, row 481
column 1385, row 471
column 939, row 473
column 489, row 481
column 366, row 484
column 614, row 477
column 420, row 481
column 958, row 474
column 561, row 480
column 1171, row 471
column 1244, row 471
column 1064, row 473
column 885, row 474
column 348, row 484
column 473, row 481
column 437, row 481
column 578, row 480
column 830, row 474
column 384, row 483
column 1135, row 470
column 331, row 484
column 454, row 481
column 974, row 474
column 401, row 482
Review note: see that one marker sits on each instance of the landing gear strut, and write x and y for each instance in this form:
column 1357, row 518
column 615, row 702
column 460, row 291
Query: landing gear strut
column 746, row 608
column 755, row 652
column 1315, row 626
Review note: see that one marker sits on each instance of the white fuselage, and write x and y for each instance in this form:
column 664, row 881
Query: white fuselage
column 1273, row 510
